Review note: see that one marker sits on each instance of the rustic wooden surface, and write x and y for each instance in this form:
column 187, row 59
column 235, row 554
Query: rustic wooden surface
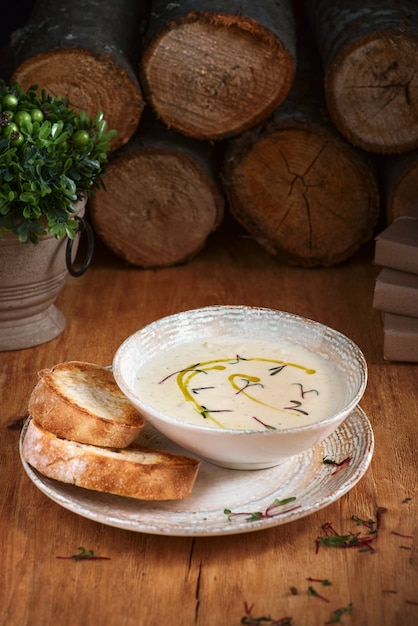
column 158, row 580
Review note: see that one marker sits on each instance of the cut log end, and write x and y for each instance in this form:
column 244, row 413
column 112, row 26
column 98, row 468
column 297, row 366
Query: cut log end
column 63, row 72
column 399, row 181
column 404, row 195
column 158, row 210
column 372, row 92
column 216, row 75
column 303, row 195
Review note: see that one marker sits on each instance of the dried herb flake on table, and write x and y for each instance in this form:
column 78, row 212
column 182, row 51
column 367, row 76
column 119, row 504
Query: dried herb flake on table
column 84, row 555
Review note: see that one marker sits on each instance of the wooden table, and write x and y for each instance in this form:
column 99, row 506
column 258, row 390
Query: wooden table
column 155, row 580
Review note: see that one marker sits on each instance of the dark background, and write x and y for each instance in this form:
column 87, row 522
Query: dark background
column 13, row 14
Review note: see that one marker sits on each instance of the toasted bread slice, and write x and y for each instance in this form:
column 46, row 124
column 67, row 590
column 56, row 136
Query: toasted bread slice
column 135, row 471
column 82, row 402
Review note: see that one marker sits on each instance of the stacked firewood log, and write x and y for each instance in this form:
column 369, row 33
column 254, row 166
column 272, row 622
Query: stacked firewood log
column 299, row 118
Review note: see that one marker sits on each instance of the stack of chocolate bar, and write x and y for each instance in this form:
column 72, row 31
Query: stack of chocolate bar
column 396, row 289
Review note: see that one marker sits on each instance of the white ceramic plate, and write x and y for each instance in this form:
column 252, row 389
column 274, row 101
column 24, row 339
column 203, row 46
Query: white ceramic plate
column 306, row 477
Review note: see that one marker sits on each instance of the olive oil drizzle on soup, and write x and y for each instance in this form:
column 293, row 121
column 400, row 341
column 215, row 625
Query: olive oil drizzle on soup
column 241, row 384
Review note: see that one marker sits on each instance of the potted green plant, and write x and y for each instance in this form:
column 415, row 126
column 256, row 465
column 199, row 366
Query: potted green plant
column 52, row 159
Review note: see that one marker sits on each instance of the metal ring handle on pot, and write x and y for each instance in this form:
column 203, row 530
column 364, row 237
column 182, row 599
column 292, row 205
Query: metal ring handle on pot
column 83, row 226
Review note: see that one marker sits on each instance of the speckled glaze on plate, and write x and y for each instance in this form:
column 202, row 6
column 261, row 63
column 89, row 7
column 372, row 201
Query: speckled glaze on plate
column 305, row 476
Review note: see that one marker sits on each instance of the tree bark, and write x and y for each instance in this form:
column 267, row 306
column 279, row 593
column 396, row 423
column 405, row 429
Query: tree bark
column 370, row 54
column 295, row 184
column 162, row 198
column 399, row 184
column 212, row 68
column 86, row 50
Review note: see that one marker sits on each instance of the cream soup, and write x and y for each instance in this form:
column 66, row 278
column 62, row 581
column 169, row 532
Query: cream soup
column 244, row 385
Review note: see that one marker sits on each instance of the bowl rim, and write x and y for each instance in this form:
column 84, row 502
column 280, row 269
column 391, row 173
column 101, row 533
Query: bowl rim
column 339, row 416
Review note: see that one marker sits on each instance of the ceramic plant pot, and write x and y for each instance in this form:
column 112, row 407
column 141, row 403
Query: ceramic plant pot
column 31, row 277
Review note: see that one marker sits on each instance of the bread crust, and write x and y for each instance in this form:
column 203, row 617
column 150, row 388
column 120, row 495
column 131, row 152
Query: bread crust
column 82, row 402
column 135, row 472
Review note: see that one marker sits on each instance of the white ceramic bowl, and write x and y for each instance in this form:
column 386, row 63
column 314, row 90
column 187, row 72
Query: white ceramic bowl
column 227, row 447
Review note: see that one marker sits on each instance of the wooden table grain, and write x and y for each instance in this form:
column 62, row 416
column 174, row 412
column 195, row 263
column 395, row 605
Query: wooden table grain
column 153, row 580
